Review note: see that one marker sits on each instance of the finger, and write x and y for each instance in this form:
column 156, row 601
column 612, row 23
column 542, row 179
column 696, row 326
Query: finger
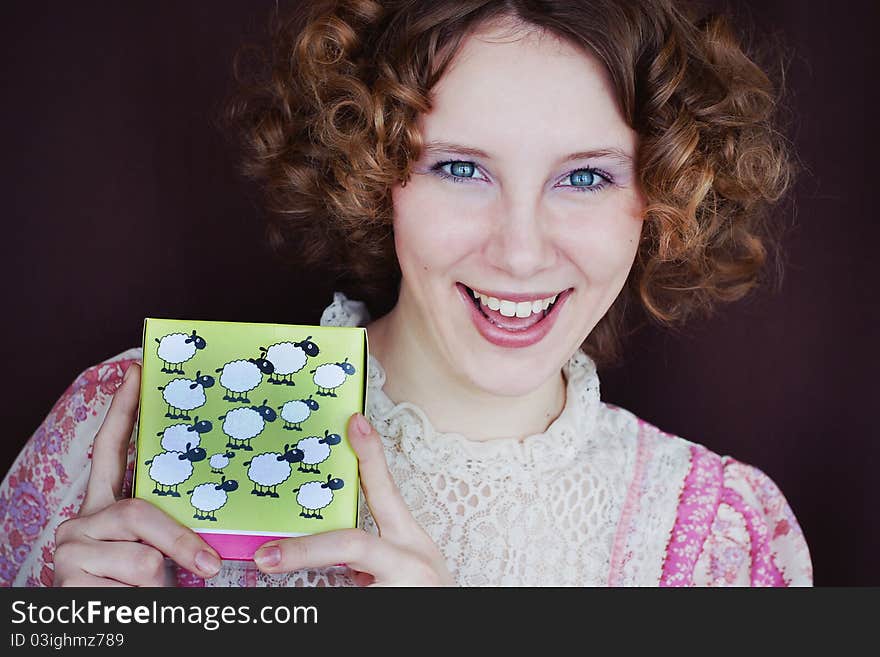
column 110, row 450
column 387, row 505
column 361, row 551
column 134, row 564
column 362, row 579
column 138, row 520
column 82, row 579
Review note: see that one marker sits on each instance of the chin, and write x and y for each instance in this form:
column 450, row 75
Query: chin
column 501, row 376
column 510, row 362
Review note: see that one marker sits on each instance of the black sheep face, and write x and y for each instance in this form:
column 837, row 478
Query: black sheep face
column 309, row 347
column 200, row 426
column 265, row 411
column 193, row 455
column 227, row 485
column 331, row 439
column 311, row 403
column 333, row 484
column 348, row 368
column 266, row 367
column 292, row 455
column 204, row 380
column 198, row 341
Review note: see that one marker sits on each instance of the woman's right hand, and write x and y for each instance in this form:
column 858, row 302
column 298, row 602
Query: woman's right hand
column 123, row 542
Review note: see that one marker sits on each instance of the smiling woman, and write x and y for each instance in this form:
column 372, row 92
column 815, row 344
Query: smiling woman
column 516, row 173
column 519, row 229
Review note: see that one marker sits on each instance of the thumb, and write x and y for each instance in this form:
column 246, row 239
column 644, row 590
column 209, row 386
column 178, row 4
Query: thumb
column 110, row 450
column 387, row 505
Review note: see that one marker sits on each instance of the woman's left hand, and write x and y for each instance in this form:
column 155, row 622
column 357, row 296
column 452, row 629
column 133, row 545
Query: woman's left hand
column 401, row 555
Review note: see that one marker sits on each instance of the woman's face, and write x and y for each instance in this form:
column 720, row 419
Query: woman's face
column 507, row 201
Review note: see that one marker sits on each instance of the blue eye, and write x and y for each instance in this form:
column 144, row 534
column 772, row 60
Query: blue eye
column 458, row 170
column 582, row 180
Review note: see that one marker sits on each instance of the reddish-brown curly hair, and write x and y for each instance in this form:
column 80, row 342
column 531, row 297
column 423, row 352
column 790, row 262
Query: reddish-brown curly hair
column 326, row 116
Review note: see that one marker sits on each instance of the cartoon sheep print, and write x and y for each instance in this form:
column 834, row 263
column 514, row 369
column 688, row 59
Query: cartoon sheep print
column 239, row 424
column 207, row 498
column 184, row 395
column 330, row 376
column 176, row 349
column 288, row 358
column 176, row 437
column 316, row 450
column 269, row 470
column 242, row 376
column 314, row 496
column 170, row 469
column 244, row 424
column 297, row 411
column 220, row 461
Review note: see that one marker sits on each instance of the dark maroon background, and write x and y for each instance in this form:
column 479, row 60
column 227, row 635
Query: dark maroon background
column 120, row 200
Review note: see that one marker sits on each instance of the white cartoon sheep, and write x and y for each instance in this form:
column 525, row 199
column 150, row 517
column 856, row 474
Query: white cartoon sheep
column 271, row 469
column 184, row 395
column 241, row 376
column 297, row 411
column 175, row 437
column 170, row 469
column 220, row 460
column 316, row 450
column 244, row 424
column 288, row 358
column 314, row 496
column 330, row 376
column 176, row 349
column 207, row 498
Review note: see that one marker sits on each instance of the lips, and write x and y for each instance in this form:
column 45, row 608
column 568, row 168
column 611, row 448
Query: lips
column 511, row 332
column 504, row 321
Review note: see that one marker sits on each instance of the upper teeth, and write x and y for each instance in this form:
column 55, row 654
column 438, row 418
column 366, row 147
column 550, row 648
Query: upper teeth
column 511, row 308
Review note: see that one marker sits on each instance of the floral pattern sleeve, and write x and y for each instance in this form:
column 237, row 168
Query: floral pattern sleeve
column 755, row 539
column 46, row 483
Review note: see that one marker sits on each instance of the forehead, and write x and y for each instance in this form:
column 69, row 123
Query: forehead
column 524, row 88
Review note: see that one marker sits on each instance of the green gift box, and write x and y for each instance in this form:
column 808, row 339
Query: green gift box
column 242, row 433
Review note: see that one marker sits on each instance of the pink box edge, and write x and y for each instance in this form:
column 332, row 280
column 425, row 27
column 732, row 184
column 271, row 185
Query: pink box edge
column 235, row 547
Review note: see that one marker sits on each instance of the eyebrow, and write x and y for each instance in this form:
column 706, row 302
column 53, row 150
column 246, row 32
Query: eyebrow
column 611, row 152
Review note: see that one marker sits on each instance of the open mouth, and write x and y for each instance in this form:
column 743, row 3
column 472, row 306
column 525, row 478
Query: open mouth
column 512, row 316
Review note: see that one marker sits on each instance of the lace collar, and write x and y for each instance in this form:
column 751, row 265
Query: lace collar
column 573, row 431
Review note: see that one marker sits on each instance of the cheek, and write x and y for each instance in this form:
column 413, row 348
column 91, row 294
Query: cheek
column 430, row 231
column 604, row 245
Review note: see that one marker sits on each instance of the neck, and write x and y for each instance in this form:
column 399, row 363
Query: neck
column 418, row 374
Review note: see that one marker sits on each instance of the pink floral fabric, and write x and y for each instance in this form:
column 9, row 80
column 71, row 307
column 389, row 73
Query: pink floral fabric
column 739, row 540
column 46, row 483
column 730, row 524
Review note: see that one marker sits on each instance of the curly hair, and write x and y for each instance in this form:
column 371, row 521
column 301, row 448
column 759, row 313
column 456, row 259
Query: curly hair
column 326, row 118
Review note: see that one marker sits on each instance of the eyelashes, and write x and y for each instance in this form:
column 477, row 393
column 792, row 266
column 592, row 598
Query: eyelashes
column 591, row 172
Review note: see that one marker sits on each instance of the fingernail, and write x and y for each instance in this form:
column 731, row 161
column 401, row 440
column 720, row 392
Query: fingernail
column 207, row 562
column 268, row 556
column 362, row 425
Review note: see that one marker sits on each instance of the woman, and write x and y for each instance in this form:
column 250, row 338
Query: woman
column 522, row 172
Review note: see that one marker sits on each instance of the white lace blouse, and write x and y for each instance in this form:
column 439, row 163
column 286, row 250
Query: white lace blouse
column 600, row 498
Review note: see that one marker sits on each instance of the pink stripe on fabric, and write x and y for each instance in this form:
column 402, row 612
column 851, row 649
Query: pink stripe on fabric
column 624, row 526
column 697, row 508
column 763, row 571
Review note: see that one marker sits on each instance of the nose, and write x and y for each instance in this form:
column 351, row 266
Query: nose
column 520, row 243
